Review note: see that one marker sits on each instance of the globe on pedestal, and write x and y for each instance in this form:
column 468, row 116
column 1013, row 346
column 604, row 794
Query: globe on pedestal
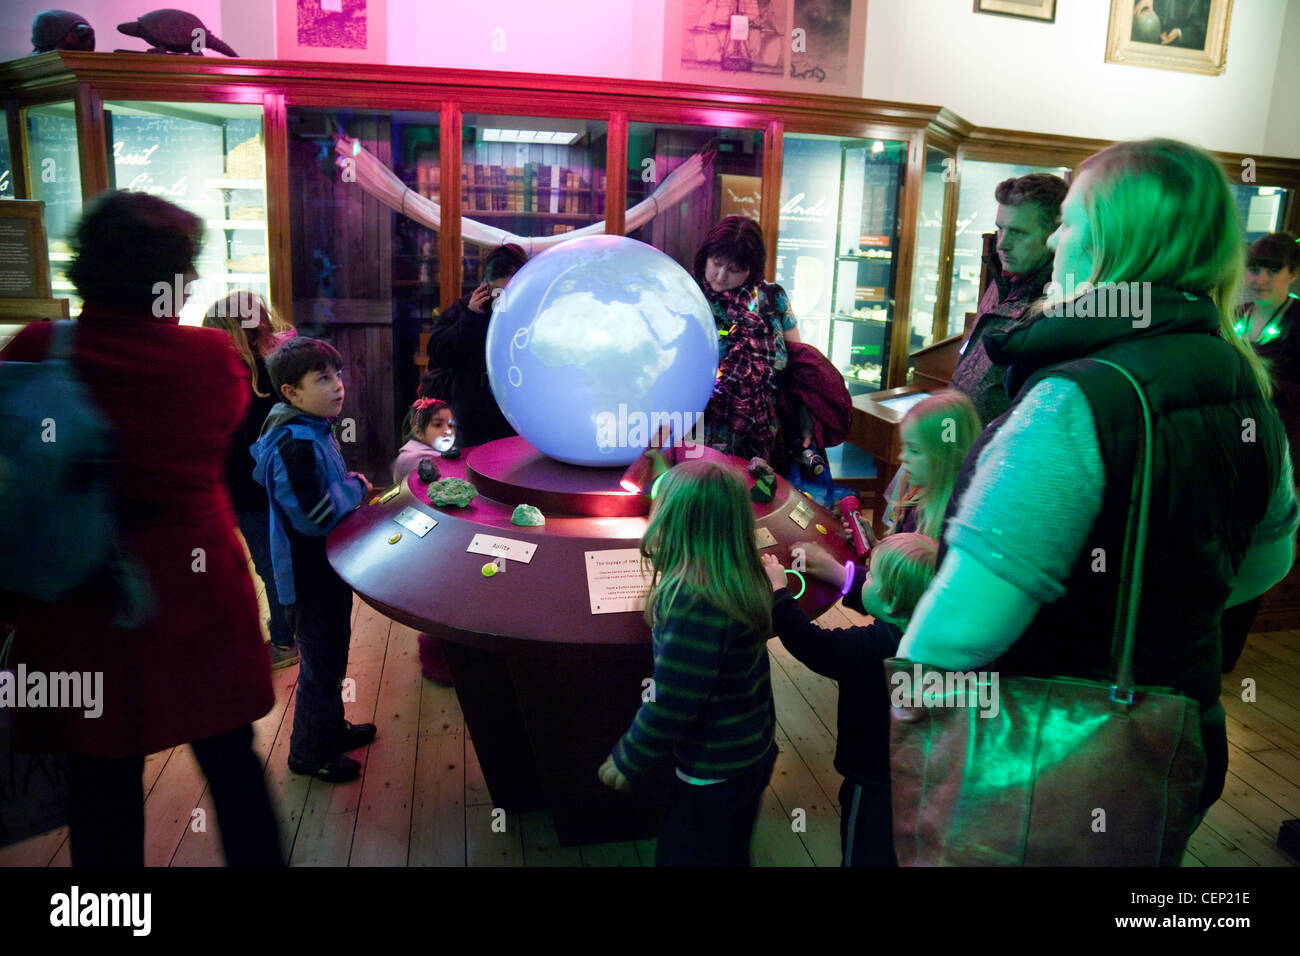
column 595, row 344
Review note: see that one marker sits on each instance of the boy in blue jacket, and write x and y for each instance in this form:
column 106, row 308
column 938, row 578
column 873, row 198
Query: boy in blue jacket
column 310, row 490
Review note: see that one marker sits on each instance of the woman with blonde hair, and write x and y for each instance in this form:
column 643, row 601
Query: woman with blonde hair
column 1150, row 244
column 255, row 331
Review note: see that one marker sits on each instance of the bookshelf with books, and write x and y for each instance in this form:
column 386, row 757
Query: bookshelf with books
column 532, row 176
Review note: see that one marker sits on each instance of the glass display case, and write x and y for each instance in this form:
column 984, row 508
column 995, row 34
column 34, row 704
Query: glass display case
column 662, row 161
column 529, row 177
column 976, row 211
column 54, row 177
column 208, row 158
column 872, row 173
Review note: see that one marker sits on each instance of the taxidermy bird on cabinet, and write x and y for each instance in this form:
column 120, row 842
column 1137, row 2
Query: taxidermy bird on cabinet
column 61, row 30
column 174, row 31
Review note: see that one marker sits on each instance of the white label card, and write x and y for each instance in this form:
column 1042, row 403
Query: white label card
column 801, row 513
column 615, row 581
column 496, row 547
column 764, row 538
column 415, row 521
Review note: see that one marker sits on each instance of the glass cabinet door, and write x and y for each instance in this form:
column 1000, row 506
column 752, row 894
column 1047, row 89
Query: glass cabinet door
column 924, row 298
column 6, row 160
column 207, row 158
column 364, row 227
column 1263, row 209
column 696, row 175
column 54, row 176
column 805, row 243
column 531, row 177
column 872, row 173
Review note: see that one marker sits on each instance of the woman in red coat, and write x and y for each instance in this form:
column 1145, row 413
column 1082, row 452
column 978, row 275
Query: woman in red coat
column 196, row 670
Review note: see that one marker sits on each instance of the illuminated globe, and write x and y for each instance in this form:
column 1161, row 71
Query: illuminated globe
column 597, row 342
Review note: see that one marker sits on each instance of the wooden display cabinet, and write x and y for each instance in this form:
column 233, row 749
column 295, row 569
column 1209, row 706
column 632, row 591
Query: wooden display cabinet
column 380, row 256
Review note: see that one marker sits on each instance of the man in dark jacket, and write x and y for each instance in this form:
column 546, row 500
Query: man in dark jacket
column 457, row 353
column 1029, row 210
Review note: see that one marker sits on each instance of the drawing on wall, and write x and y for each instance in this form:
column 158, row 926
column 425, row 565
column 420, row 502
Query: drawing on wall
column 734, row 36
column 809, row 45
column 824, row 56
column 341, row 23
column 1187, row 35
column 350, row 31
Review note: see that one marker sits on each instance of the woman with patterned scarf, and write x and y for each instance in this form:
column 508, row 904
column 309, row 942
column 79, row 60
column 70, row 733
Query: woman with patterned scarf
column 754, row 324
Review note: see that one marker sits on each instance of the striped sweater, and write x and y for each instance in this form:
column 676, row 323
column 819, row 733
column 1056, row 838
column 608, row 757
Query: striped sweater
column 712, row 697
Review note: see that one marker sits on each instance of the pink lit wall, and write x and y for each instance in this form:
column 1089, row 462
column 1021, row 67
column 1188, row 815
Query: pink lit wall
column 612, row 38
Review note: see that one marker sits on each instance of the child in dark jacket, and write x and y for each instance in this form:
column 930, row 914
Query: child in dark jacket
column 902, row 566
column 310, row 491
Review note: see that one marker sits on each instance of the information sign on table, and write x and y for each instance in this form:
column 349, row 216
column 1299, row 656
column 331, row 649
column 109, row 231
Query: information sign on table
column 616, row 581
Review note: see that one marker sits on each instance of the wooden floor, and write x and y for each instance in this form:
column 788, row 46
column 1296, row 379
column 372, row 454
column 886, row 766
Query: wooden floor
column 421, row 800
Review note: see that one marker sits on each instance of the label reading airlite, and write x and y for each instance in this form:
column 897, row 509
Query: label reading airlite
column 496, row 547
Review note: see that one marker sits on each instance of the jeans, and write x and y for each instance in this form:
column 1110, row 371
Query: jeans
column 106, row 805
column 255, row 526
column 322, row 625
column 711, row 825
column 866, row 825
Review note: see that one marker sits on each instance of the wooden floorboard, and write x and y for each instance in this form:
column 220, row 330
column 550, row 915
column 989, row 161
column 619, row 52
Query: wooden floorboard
column 422, row 800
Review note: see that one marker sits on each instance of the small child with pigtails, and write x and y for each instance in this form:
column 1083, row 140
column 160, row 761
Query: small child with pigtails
column 433, row 435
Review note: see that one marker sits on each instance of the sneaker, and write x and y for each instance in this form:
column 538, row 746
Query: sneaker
column 355, row 736
column 283, row 656
column 337, row 770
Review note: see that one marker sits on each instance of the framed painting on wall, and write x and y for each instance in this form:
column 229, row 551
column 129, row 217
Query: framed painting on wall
column 1044, row 11
column 342, row 31
column 1187, row 35
column 813, row 46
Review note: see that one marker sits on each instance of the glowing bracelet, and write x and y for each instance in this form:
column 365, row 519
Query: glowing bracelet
column 848, row 579
column 802, row 584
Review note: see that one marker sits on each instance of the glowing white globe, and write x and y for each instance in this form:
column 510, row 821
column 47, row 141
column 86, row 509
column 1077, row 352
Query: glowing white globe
column 595, row 344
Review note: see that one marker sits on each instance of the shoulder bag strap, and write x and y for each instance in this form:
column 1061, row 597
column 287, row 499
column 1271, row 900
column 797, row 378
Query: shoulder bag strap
column 1135, row 542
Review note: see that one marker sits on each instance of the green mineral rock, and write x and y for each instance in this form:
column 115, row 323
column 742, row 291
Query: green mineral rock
column 527, row 516
column 454, row 492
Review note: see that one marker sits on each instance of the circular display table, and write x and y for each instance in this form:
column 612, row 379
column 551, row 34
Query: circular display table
column 548, row 670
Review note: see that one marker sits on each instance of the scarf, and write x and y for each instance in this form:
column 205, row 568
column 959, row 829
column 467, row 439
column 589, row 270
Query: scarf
column 744, row 394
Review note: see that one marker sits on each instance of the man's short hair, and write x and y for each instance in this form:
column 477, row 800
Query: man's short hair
column 299, row 357
column 1044, row 190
